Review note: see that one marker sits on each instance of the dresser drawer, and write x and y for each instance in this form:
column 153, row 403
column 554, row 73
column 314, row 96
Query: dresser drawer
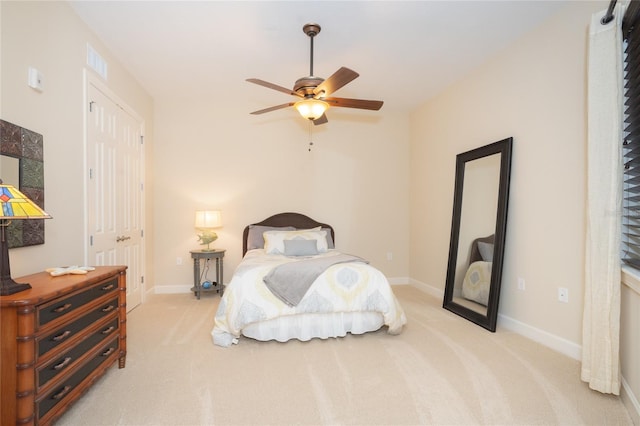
column 69, row 358
column 67, row 331
column 49, row 312
column 60, row 393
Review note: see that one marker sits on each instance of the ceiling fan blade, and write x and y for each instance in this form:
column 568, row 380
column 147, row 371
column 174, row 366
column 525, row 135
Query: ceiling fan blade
column 321, row 120
column 354, row 103
column 273, row 108
column 337, row 80
column 273, row 86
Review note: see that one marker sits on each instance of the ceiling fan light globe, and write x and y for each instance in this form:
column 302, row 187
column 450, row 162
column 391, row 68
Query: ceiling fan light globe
column 311, row 109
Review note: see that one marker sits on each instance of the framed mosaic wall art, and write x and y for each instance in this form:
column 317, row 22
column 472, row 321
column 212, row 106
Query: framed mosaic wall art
column 22, row 165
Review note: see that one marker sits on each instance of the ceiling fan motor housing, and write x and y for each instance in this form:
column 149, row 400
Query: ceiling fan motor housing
column 306, row 85
column 311, row 30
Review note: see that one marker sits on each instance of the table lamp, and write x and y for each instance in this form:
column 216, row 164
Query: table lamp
column 206, row 221
column 15, row 206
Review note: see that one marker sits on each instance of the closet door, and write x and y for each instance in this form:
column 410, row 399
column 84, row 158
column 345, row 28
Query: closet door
column 115, row 189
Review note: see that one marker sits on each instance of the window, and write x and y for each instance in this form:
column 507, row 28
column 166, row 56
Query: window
column 631, row 137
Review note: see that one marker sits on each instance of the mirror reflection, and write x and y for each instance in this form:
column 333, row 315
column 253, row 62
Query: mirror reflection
column 478, row 228
column 10, row 170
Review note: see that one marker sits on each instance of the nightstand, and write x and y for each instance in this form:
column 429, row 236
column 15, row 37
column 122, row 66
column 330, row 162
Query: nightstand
column 207, row 256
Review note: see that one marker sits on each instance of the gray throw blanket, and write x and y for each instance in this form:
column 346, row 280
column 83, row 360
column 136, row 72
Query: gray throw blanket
column 289, row 282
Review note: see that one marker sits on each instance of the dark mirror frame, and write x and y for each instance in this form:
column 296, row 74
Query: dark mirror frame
column 26, row 146
column 489, row 320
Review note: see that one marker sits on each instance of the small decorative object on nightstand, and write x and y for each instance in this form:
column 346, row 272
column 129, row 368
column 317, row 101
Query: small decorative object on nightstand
column 207, row 256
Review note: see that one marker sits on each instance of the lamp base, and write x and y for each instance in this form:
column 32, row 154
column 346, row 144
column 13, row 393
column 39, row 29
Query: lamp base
column 9, row 286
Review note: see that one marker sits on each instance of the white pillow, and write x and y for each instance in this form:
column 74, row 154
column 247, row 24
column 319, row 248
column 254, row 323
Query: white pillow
column 274, row 240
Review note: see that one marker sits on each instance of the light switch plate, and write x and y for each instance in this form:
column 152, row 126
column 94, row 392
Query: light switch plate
column 35, row 79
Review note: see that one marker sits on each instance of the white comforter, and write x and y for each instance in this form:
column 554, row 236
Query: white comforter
column 346, row 287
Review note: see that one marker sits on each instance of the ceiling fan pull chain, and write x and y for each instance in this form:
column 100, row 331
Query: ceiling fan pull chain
column 310, row 133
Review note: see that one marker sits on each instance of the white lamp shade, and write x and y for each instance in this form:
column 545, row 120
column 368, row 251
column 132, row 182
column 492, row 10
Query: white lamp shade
column 208, row 219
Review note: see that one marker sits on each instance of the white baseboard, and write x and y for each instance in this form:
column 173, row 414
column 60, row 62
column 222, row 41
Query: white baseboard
column 554, row 342
column 429, row 289
column 630, row 402
column 547, row 339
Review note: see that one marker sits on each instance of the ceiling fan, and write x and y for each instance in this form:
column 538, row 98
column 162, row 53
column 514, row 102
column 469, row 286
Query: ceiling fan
column 314, row 91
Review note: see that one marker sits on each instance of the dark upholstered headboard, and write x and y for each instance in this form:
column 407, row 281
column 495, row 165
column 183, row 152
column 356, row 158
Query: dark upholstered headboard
column 297, row 220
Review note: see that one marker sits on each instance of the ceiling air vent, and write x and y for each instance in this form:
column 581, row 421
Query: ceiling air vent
column 96, row 62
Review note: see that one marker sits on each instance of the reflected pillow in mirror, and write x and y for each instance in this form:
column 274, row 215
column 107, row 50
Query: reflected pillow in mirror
column 486, row 251
column 300, row 247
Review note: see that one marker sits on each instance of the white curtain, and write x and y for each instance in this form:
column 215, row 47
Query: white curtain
column 601, row 319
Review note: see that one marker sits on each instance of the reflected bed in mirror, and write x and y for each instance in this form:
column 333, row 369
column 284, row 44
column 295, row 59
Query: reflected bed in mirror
column 22, row 165
column 478, row 231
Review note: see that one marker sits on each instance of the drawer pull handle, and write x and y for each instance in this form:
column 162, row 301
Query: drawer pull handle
column 62, row 308
column 108, row 352
column 108, row 287
column 65, row 390
column 63, row 364
column 108, row 308
column 62, row 336
column 108, row 330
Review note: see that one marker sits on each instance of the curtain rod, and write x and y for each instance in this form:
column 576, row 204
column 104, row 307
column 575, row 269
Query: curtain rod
column 608, row 17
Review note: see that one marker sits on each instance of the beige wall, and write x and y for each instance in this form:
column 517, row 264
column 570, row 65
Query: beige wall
column 213, row 154
column 50, row 37
column 535, row 91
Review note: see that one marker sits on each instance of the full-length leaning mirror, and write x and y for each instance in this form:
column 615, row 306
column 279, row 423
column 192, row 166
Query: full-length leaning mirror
column 478, row 231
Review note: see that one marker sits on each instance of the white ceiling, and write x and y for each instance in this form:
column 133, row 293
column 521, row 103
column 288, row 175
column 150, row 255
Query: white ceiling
column 405, row 52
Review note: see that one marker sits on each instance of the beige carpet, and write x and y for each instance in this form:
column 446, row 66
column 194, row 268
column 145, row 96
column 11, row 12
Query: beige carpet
column 442, row 370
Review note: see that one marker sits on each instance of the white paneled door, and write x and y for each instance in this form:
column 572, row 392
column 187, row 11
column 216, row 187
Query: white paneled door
column 115, row 189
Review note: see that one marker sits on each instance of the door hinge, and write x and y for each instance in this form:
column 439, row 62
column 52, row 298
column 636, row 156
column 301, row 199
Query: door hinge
column 90, row 173
column 142, row 279
column 142, row 233
column 91, row 240
column 91, row 106
column 141, row 139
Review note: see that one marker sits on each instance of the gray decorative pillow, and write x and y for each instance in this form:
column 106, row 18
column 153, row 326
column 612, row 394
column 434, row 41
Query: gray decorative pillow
column 330, row 243
column 255, row 240
column 300, row 247
column 486, row 251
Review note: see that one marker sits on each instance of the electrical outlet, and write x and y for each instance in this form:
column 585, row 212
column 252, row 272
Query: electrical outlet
column 521, row 285
column 178, row 261
column 563, row 294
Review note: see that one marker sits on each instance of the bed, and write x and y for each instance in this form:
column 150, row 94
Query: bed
column 293, row 284
column 477, row 280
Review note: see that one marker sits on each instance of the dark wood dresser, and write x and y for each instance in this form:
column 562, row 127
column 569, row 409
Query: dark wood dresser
column 57, row 338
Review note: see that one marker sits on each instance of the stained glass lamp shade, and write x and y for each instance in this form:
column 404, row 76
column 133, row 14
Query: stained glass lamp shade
column 15, row 206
